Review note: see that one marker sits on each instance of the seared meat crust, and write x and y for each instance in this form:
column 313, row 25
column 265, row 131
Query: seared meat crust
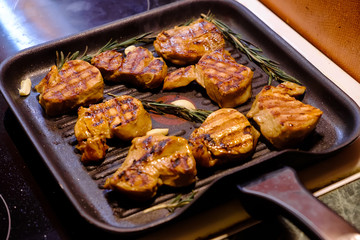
column 179, row 78
column 226, row 82
column 139, row 67
column 108, row 63
column 123, row 117
column 283, row 120
column 78, row 83
column 187, row 44
column 153, row 161
column 226, row 135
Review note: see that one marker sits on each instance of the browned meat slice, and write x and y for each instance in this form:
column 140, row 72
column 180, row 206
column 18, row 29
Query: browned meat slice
column 180, row 78
column 123, row 117
column 283, row 120
column 153, row 161
column 78, row 83
column 187, row 44
column 139, row 67
column 226, row 82
column 93, row 148
column 108, row 63
column 226, row 135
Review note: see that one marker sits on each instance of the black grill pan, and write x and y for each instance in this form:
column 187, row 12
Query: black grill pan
column 54, row 137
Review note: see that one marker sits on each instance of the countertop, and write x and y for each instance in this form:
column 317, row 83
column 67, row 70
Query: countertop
column 35, row 203
column 332, row 26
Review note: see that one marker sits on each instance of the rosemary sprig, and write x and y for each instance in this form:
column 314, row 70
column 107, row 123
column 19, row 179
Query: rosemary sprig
column 61, row 59
column 197, row 115
column 177, row 202
column 270, row 67
column 116, row 45
column 110, row 45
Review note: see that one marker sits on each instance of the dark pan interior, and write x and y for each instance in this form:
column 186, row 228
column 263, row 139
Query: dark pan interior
column 55, row 141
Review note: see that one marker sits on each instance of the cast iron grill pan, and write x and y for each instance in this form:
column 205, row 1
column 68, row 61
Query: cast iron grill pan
column 54, row 137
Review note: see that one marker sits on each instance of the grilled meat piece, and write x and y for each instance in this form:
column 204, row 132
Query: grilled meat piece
column 187, row 44
column 283, row 120
column 226, row 135
column 179, row 78
column 123, row 117
column 227, row 82
column 108, row 63
column 93, row 148
column 143, row 69
column 153, row 161
column 139, row 67
column 78, row 83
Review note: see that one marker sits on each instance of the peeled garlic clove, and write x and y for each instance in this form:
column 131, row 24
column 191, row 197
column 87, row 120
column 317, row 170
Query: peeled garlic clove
column 184, row 103
column 25, row 87
column 129, row 49
column 163, row 131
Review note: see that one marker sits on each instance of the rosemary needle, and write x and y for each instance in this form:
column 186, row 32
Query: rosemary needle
column 270, row 67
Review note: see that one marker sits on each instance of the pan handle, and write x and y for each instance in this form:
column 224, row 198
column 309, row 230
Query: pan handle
column 282, row 189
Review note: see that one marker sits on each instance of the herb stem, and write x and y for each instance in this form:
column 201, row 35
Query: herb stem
column 254, row 53
column 177, row 202
column 197, row 115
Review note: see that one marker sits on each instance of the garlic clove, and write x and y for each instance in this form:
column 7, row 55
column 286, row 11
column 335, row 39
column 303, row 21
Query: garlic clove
column 184, row 103
column 163, row 131
column 25, row 87
column 129, row 49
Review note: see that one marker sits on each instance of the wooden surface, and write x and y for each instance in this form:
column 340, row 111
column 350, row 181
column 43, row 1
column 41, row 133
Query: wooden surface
column 331, row 26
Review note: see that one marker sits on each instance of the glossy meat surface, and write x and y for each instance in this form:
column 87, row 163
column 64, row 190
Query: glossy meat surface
column 76, row 84
column 179, row 78
column 139, row 67
column 187, row 44
column 226, row 135
column 123, row 117
column 226, row 82
column 108, row 63
column 284, row 120
column 153, row 161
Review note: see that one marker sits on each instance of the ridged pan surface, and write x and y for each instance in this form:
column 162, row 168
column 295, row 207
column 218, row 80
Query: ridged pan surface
column 54, row 137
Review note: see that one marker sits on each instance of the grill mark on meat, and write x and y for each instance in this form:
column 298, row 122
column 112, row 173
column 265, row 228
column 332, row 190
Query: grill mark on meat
column 181, row 161
column 226, row 134
column 221, row 70
column 176, row 162
column 186, row 44
column 283, row 120
column 151, row 150
column 153, row 161
column 135, row 61
column 98, row 122
column 123, row 117
column 158, row 147
column 227, row 82
column 139, row 67
column 74, row 77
